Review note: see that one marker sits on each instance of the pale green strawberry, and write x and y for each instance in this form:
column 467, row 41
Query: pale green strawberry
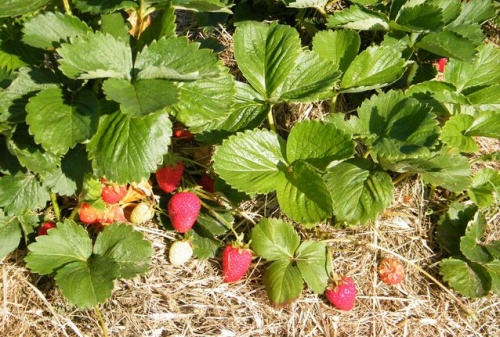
column 180, row 252
column 141, row 213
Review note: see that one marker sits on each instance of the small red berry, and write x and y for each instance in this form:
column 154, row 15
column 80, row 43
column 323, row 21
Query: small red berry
column 113, row 193
column 183, row 209
column 235, row 262
column 342, row 294
column 183, row 133
column 42, row 230
column 207, row 183
column 169, row 177
column 441, row 63
column 391, row 271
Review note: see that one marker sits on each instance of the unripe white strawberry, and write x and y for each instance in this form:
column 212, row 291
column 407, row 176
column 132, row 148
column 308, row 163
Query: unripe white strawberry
column 141, row 213
column 180, row 252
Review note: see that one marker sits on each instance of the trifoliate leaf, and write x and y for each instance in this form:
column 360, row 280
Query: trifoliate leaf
column 126, row 149
column 452, row 225
column 470, row 242
column 399, row 127
column 359, row 191
column 141, row 97
column 340, row 46
column 95, row 56
column 266, row 54
column 485, row 184
column 312, row 262
column 59, row 123
column 467, row 278
column 66, row 243
column 359, row 18
column 252, row 161
column 493, row 269
column 10, row 234
column 125, row 247
column 283, row 282
column 318, row 143
column 304, row 197
column 22, row 192
column 274, row 239
column 36, row 31
column 87, row 283
column 20, row 7
column 484, row 70
column 375, row 67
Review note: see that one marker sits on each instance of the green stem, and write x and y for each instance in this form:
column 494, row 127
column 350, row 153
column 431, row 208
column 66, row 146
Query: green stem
column 101, row 321
column 367, row 153
column 401, row 177
column 321, row 10
column 67, row 7
column 74, row 213
column 55, row 206
column 270, row 118
column 220, row 218
column 462, row 306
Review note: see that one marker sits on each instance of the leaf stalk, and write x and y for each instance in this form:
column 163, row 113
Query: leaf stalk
column 101, row 321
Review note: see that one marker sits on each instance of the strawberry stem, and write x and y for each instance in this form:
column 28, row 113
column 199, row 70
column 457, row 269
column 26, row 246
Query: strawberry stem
column 462, row 306
column 101, row 321
column 67, row 7
column 270, row 119
column 55, row 206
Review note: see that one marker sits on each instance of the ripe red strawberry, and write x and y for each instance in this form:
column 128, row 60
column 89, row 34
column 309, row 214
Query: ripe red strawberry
column 235, row 262
column 183, row 133
column 391, row 271
column 342, row 294
column 183, row 209
column 169, row 177
column 180, row 252
column 113, row 193
column 207, row 183
column 89, row 214
column 42, row 230
column 441, row 63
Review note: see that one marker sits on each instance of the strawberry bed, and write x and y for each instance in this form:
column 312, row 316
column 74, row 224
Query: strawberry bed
column 220, row 168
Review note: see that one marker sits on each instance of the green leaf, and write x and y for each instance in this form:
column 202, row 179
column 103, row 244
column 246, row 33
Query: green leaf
column 114, row 25
column 10, row 234
column 22, row 192
column 468, row 279
column 304, row 197
column 30, row 155
column 485, row 184
column 215, row 225
column 20, row 7
column 312, row 79
column 95, row 56
column 36, row 31
column 451, row 43
column 486, row 124
column 103, row 6
column 283, row 282
column 204, row 246
column 399, row 127
column 176, row 59
column 66, row 243
column 125, row 247
column 452, row 225
column 359, row 190
column 454, row 133
column 493, row 248
column 205, row 101
column 251, row 161
column 68, row 180
column 476, row 11
column 359, row 18
column 374, row 67
column 493, row 269
column 266, row 54
column 484, row 70
column 307, row 4
column 318, row 143
column 469, row 243
column 340, row 46
column 202, row 6
column 422, row 17
column 59, row 123
column 126, row 149
column 274, row 239
column 141, row 97
column 311, row 261
column 449, row 171
column 87, row 283
column 485, row 98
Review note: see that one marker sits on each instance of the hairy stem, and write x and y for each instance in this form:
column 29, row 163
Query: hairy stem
column 270, row 119
column 55, row 206
column 101, row 321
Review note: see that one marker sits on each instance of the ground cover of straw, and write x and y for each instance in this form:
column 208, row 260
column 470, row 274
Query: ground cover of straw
column 192, row 300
